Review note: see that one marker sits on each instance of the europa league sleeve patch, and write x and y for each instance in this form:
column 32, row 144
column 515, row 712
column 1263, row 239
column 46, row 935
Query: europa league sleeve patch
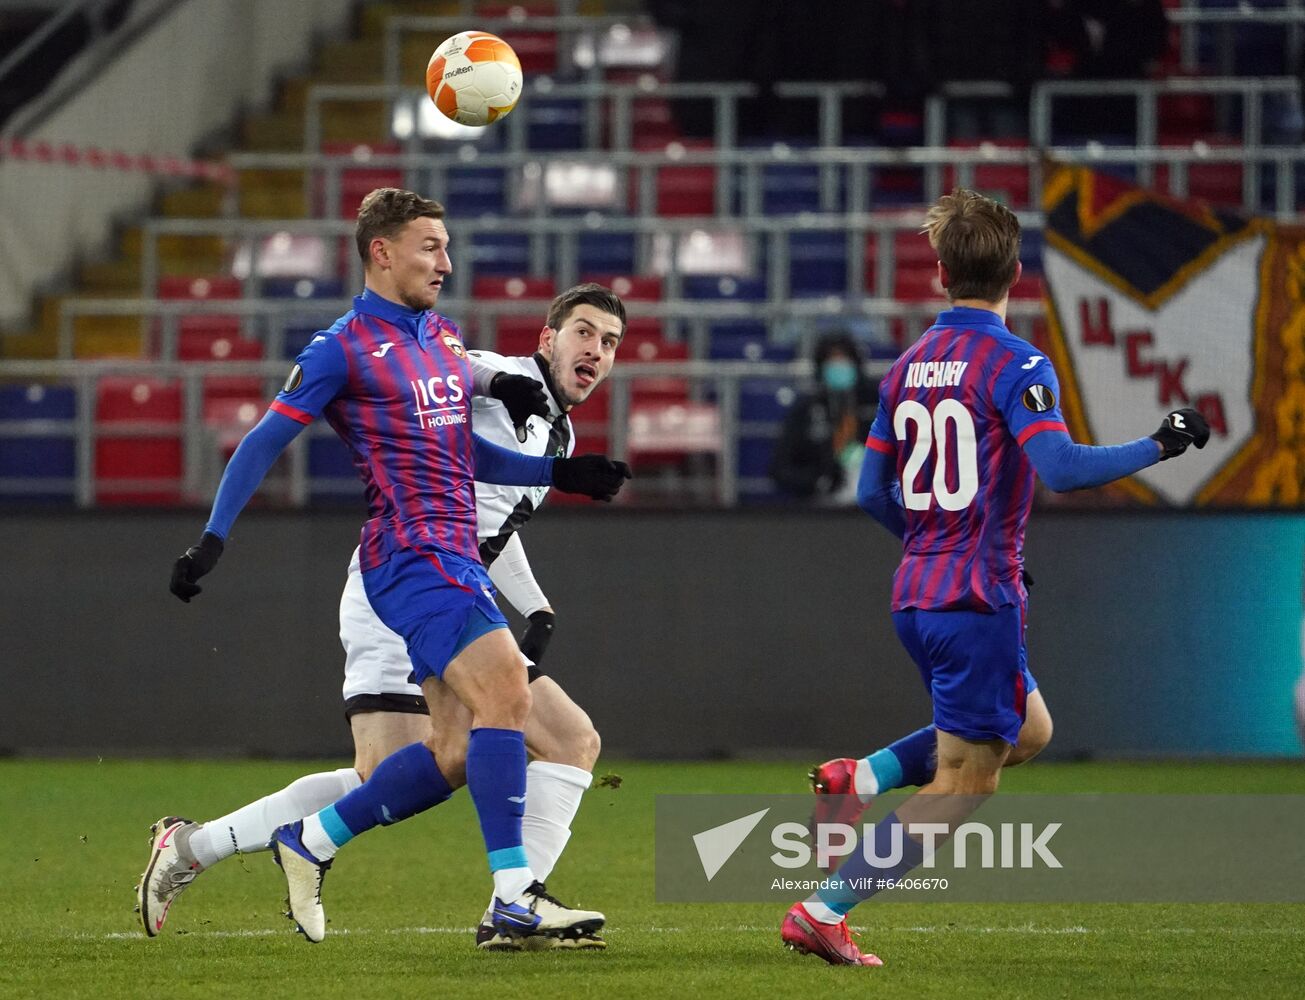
column 1039, row 399
column 296, row 378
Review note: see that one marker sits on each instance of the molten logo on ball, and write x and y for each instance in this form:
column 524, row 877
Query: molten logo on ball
column 474, row 78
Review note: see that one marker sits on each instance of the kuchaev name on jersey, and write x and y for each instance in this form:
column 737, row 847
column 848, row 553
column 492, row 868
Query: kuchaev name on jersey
column 935, row 374
column 437, row 401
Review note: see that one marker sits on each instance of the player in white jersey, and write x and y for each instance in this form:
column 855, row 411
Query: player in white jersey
column 529, row 412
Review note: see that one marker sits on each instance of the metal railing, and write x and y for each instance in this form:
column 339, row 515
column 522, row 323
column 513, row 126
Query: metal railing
column 1192, row 18
column 204, row 443
column 554, row 245
column 845, row 173
column 687, row 322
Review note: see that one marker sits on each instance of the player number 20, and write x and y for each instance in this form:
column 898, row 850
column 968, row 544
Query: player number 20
column 949, row 417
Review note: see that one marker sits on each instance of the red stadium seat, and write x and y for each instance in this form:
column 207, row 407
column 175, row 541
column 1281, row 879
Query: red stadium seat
column 144, row 466
column 518, row 335
column 1028, row 288
column 493, row 286
column 644, row 347
column 195, row 345
column 1010, row 181
column 689, row 190
column 917, row 284
column 357, row 182
column 215, row 286
column 631, row 288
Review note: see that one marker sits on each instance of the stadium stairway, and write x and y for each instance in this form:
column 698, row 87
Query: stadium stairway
column 262, row 194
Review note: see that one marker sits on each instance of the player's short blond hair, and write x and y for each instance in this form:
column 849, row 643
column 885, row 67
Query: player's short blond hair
column 978, row 241
column 385, row 211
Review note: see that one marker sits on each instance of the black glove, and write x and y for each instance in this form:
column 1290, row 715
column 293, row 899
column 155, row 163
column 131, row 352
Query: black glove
column 596, row 476
column 534, row 640
column 1027, row 577
column 522, row 395
column 1181, row 428
column 198, row 560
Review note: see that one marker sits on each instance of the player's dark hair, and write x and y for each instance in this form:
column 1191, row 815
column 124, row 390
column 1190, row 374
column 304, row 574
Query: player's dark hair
column 588, row 294
column 978, row 241
column 385, row 211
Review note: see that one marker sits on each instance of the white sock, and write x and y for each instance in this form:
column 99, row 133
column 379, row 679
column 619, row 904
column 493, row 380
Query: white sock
column 510, row 884
column 864, row 782
column 822, row 912
column 250, row 827
column 553, row 793
column 317, row 840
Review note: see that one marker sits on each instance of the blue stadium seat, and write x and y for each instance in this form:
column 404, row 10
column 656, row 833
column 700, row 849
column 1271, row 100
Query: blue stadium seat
column 744, row 340
column 472, row 191
column 606, row 253
column 817, row 263
column 303, row 288
column 1031, row 244
column 755, row 485
column 724, row 287
column 788, row 188
column 38, row 456
column 555, row 123
column 765, row 399
column 330, row 469
column 297, row 338
column 499, row 253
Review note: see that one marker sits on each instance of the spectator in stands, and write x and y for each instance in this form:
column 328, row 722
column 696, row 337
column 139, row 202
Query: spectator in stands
column 818, row 455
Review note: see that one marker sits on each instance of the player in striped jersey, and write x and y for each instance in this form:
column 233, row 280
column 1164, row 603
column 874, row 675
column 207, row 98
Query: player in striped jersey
column 528, row 410
column 394, row 381
column 966, row 416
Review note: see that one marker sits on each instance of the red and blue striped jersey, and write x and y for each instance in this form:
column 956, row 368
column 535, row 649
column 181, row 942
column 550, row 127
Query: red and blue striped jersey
column 396, row 386
column 954, row 411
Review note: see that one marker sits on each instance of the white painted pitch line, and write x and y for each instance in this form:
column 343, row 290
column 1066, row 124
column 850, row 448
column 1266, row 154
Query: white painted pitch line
column 743, row 929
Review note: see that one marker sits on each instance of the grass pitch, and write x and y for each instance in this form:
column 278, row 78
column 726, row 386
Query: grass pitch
column 403, row 900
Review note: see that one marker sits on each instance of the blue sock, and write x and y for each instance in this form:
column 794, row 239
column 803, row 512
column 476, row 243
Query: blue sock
column 405, row 783
column 496, row 778
column 912, row 760
column 857, row 880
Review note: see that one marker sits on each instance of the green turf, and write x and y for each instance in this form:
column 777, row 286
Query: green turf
column 75, row 840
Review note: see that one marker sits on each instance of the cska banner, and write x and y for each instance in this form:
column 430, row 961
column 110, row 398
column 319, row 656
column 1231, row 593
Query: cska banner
column 1155, row 304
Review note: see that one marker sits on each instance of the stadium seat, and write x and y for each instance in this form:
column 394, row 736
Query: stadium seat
column 687, row 190
column 475, row 191
column 1007, row 182
column 517, row 335
column 554, row 123
column 917, row 284
column 498, row 253
column 817, row 263
column 143, row 465
column 358, row 181
column 745, row 340
column 217, row 286
column 606, row 253
column 643, row 347
column 492, row 286
column 302, row 288
column 789, row 188
column 331, row 474
column 36, row 457
column 199, row 346
column 723, row 286
column 631, row 287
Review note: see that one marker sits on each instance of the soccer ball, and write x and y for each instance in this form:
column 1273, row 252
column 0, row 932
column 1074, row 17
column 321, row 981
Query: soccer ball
column 474, row 78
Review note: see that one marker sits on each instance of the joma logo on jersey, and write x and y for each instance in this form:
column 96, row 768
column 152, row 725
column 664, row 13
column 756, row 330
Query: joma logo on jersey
column 935, row 374
column 437, row 400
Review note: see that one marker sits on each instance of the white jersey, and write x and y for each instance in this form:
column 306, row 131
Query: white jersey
column 502, row 510
column 376, row 658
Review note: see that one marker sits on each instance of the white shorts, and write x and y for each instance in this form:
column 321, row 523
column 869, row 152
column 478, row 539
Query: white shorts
column 375, row 656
